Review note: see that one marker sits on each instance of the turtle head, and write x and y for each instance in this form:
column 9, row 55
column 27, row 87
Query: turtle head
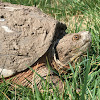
column 72, row 46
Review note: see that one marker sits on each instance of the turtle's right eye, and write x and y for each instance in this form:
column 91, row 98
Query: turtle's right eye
column 76, row 37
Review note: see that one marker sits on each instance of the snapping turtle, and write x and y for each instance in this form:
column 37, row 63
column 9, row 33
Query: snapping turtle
column 28, row 37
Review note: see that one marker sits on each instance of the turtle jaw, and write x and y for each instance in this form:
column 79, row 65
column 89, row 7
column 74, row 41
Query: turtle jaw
column 62, row 66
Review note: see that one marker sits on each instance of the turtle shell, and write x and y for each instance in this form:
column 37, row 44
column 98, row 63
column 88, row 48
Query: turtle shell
column 26, row 34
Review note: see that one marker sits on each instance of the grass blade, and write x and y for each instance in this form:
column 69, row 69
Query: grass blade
column 85, row 78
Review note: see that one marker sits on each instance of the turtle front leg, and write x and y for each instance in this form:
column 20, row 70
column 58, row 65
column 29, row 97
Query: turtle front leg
column 41, row 75
column 46, row 76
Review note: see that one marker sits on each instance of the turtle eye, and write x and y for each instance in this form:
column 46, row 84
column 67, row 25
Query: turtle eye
column 76, row 37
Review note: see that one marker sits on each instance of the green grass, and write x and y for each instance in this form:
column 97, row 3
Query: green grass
column 80, row 84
